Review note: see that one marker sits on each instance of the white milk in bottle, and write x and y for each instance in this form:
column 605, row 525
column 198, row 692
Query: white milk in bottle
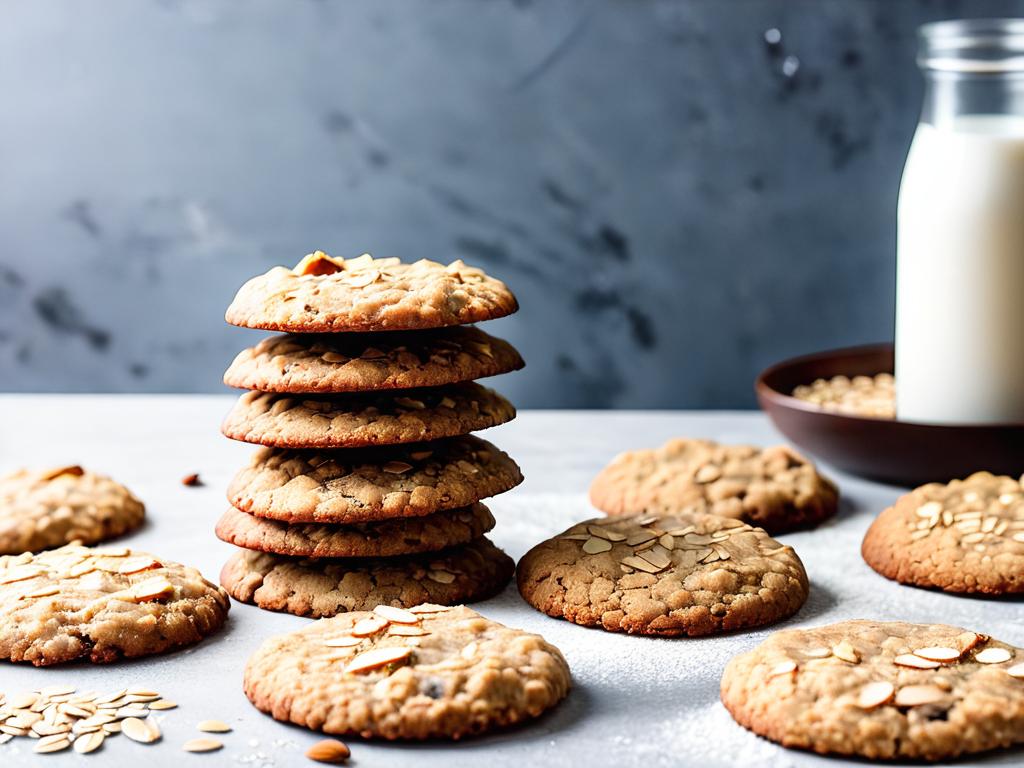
column 960, row 232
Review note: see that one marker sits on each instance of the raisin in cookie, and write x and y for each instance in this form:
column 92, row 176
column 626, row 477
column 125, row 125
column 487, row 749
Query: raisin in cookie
column 880, row 690
column 669, row 575
column 366, row 484
column 359, row 362
column 427, row 673
column 775, row 488
column 323, row 587
column 50, row 508
column 359, row 420
column 102, row 604
column 963, row 536
column 327, row 294
column 398, row 536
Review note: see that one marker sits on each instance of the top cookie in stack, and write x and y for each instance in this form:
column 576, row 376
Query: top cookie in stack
column 364, row 408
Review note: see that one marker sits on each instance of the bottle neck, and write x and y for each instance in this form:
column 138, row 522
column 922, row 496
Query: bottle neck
column 951, row 95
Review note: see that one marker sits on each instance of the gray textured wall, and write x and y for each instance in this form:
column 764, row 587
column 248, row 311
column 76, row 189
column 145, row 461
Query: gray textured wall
column 676, row 202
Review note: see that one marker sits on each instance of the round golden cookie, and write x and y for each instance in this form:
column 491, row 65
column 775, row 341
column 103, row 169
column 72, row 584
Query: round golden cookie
column 359, row 420
column 325, row 294
column 428, row 673
column 774, row 488
column 669, row 575
column 102, row 604
column 387, row 538
column 368, row 484
column 43, row 509
column 327, row 587
column 963, row 536
column 880, row 690
column 360, row 362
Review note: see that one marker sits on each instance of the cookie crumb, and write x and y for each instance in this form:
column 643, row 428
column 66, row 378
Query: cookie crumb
column 192, row 480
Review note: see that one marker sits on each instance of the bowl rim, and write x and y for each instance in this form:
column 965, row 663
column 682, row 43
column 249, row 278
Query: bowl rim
column 765, row 392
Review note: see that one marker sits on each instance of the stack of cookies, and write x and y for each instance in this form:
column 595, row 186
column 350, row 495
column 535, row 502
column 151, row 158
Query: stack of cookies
column 367, row 488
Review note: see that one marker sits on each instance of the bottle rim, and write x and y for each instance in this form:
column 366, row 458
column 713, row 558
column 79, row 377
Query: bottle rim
column 972, row 46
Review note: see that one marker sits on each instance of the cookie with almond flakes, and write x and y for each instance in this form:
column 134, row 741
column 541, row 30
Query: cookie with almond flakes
column 326, row 587
column 102, row 604
column 775, row 488
column 357, row 420
column 43, row 509
column 367, row 484
column 669, row 575
column 386, row 538
column 360, row 362
column 964, row 536
column 880, row 690
column 327, row 294
column 430, row 672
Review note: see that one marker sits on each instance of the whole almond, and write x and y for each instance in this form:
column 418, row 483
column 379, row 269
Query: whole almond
column 329, row 751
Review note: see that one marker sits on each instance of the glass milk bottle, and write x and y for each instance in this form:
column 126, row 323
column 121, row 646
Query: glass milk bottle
column 960, row 231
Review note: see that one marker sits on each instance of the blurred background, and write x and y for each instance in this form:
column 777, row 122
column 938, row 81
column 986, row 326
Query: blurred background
column 680, row 193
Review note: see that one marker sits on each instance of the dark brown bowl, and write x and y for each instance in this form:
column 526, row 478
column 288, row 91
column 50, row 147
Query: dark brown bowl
column 901, row 452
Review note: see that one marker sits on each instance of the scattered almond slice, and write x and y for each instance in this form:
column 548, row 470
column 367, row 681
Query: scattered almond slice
column 875, row 695
column 918, row 695
column 396, row 615
column 202, row 745
column 403, row 630
column 993, row 656
column 89, row 742
column 376, row 658
column 1017, row 670
column 938, row 653
column 214, row 726
column 844, row 650
column 818, row 653
column 782, row 668
column 595, row 546
column 142, row 731
column 915, row 662
column 344, row 641
column 429, row 608
column 367, row 627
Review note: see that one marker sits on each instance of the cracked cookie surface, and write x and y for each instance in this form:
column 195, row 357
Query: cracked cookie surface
column 387, row 538
column 43, row 509
column 668, row 575
column 880, row 690
column 359, row 362
column 963, row 536
column 102, row 604
column 359, row 420
column 775, row 488
column 366, row 484
column 450, row 673
column 323, row 587
column 325, row 294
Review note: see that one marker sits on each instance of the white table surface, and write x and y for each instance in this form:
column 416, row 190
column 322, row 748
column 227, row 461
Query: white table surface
column 636, row 701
